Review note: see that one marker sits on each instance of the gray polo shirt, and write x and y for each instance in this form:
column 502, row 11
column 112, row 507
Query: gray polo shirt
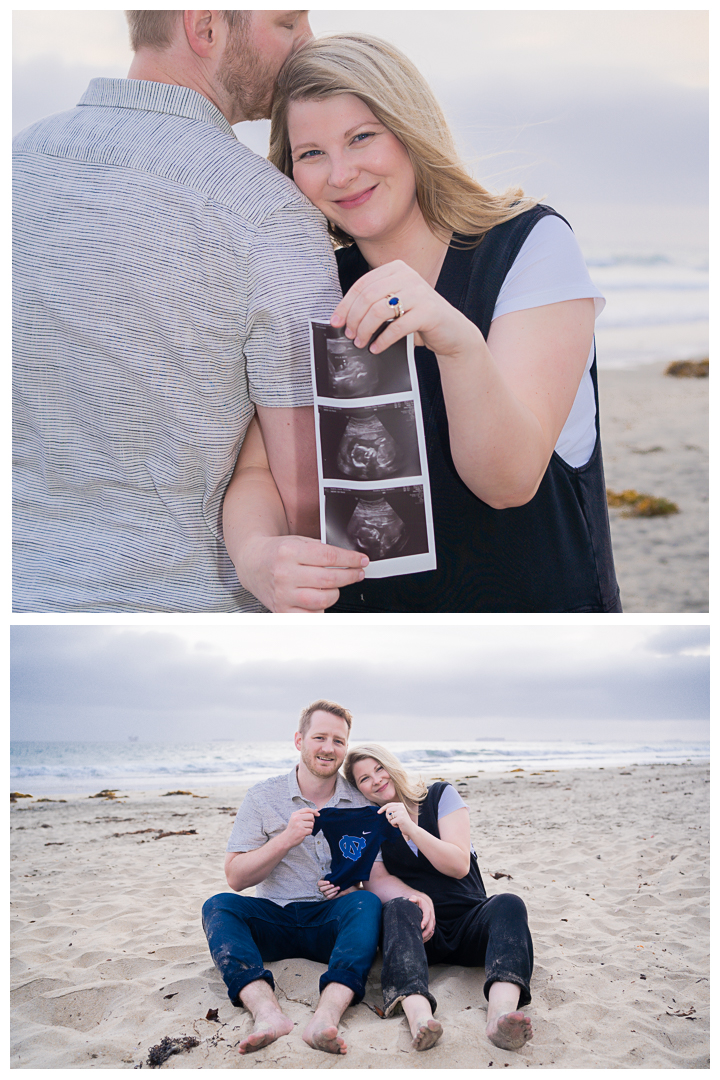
column 264, row 813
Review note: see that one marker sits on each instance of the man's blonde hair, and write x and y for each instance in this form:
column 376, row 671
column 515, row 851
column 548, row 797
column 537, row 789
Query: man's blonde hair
column 156, row 29
column 331, row 707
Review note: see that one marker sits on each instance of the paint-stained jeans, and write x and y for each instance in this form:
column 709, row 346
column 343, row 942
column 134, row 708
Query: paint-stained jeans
column 494, row 934
column 244, row 931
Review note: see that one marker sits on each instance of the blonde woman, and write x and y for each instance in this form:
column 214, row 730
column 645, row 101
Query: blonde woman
column 496, row 292
column 433, row 855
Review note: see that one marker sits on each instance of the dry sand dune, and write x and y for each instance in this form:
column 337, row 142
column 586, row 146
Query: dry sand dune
column 109, row 957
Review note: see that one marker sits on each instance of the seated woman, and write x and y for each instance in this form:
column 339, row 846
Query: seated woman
column 496, row 292
column 433, row 854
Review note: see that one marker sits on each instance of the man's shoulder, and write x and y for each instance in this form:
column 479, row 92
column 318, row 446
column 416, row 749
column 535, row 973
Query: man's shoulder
column 180, row 149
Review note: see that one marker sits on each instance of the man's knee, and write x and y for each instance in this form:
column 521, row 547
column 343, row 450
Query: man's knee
column 369, row 905
column 222, row 906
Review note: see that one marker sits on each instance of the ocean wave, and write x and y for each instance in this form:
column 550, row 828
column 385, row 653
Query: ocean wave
column 628, row 319
column 75, row 766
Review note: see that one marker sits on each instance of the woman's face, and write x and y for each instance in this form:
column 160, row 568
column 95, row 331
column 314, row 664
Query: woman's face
column 352, row 168
column 373, row 781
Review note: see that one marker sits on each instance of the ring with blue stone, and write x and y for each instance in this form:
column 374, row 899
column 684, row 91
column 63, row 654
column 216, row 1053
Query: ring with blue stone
column 395, row 306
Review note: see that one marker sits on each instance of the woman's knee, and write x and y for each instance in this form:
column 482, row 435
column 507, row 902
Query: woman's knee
column 510, row 906
column 401, row 912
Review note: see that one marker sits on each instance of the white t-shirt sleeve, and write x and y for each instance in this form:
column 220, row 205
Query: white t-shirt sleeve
column 549, row 268
column 450, row 801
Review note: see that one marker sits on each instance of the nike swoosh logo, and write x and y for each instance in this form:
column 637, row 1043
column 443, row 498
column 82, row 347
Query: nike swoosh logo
column 367, row 833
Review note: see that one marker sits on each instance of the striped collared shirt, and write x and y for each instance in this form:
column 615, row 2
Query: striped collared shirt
column 265, row 812
column 163, row 277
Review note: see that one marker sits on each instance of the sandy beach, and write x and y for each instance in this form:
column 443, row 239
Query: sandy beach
column 655, row 440
column 109, row 957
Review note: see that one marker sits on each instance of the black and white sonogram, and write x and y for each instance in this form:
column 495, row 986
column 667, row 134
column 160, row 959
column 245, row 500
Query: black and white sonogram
column 344, row 371
column 373, row 443
column 384, row 523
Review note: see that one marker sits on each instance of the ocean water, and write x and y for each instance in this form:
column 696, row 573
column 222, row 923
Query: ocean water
column 652, row 265
column 51, row 768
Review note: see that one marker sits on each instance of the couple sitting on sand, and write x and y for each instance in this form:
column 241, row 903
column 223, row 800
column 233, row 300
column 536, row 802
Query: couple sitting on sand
column 405, row 874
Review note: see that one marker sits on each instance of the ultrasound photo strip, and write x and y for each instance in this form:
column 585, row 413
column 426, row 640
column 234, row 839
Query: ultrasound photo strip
column 372, row 462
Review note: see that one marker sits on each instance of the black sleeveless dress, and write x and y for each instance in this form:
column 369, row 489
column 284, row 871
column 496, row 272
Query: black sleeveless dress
column 471, row 928
column 451, row 897
column 554, row 553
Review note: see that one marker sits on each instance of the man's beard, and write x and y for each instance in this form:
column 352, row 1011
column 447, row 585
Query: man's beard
column 308, row 760
column 247, row 78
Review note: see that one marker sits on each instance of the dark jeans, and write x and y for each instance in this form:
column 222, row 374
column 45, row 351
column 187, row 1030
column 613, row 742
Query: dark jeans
column 494, row 934
column 242, row 931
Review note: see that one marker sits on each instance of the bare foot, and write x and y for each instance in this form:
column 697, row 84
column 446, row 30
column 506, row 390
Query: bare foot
column 426, row 1034
column 510, row 1031
column 267, row 1029
column 323, row 1036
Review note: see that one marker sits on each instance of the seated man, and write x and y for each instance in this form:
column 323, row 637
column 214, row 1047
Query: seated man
column 272, row 846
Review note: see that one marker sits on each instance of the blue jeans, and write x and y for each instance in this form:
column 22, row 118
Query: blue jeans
column 242, row 931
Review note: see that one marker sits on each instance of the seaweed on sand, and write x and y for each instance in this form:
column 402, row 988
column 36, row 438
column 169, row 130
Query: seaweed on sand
column 637, row 504
column 159, row 1054
column 689, row 369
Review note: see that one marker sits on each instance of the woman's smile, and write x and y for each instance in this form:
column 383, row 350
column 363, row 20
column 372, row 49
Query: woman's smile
column 349, row 202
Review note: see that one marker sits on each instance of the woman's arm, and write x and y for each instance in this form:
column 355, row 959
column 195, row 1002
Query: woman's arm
column 451, row 853
column 286, row 573
column 507, row 398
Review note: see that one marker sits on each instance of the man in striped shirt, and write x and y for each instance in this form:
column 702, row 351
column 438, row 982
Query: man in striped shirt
column 163, row 278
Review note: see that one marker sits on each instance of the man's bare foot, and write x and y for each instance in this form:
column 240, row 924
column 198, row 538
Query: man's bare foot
column 268, row 1028
column 510, row 1031
column 321, row 1035
column 426, row 1034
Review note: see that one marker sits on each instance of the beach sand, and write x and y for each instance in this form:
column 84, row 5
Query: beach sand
column 655, row 440
column 109, row 957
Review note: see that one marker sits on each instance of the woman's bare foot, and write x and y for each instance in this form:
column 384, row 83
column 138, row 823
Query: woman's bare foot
column 323, row 1036
column 268, row 1028
column 509, row 1031
column 426, row 1034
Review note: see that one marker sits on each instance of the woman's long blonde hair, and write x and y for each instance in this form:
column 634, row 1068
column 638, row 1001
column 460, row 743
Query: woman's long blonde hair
column 450, row 200
column 411, row 793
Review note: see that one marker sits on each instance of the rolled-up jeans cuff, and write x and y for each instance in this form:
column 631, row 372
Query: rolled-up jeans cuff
column 248, row 976
column 509, row 977
column 346, row 978
column 391, row 1003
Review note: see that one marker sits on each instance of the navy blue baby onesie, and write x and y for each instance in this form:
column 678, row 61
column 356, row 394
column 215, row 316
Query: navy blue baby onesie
column 354, row 837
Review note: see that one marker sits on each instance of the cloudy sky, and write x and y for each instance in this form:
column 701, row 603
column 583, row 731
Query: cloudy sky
column 452, row 682
column 581, row 107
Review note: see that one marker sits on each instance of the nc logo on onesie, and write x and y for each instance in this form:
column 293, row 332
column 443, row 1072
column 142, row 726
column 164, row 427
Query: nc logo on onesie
column 352, row 847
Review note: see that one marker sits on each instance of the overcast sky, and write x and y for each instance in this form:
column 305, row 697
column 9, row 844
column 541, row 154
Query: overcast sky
column 616, row 682
column 580, row 107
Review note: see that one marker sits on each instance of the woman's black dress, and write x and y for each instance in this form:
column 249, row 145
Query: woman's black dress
column 471, row 928
column 554, row 553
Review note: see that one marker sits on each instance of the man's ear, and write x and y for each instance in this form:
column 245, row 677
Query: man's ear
column 203, row 32
column 298, row 741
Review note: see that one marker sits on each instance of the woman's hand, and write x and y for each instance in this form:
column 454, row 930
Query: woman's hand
column 398, row 816
column 507, row 398
column 435, row 323
column 331, row 892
